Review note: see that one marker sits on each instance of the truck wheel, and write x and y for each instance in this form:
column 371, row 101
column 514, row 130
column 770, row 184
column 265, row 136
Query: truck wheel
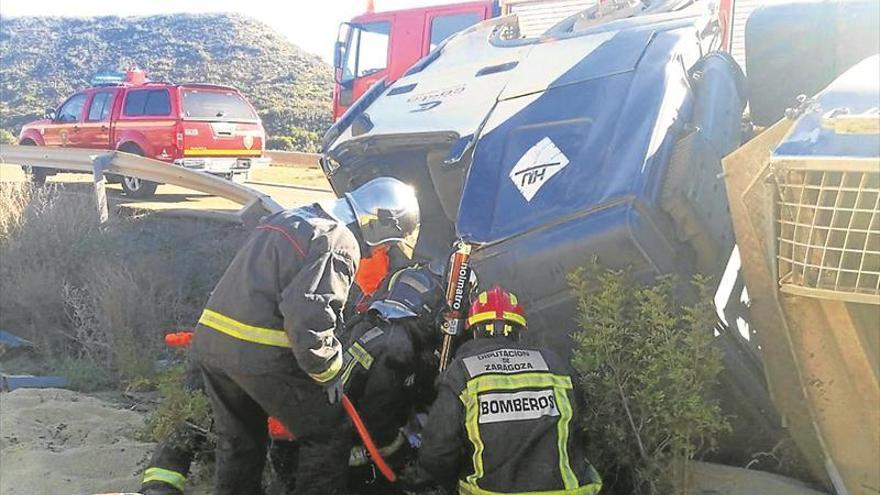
column 138, row 188
column 36, row 175
column 132, row 186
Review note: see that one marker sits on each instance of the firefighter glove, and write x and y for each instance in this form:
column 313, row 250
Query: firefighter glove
column 334, row 388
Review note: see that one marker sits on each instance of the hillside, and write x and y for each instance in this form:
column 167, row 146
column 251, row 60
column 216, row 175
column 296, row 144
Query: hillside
column 45, row 59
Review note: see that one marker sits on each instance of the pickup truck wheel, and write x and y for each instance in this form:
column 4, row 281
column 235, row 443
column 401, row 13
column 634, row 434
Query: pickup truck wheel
column 134, row 187
column 138, row 188
column 36, row 175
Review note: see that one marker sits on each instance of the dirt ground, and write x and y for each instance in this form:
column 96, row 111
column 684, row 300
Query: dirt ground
column 59, row 442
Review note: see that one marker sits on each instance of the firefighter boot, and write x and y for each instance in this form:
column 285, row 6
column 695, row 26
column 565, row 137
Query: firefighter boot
column 159, row 488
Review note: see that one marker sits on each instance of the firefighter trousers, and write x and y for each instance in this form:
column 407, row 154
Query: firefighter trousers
column 241, row 403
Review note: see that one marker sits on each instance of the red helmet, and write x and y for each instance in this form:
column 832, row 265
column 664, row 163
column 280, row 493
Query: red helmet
column 497, row 305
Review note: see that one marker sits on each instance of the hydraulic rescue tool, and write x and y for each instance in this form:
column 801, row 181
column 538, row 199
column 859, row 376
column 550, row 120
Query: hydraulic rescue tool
column 458, row 279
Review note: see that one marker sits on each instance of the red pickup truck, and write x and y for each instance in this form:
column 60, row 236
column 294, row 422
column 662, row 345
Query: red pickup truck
column 198, row 126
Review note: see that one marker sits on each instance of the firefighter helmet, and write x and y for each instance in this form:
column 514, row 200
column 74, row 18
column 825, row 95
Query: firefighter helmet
column 387, row 211
column 496, row 312
column 412, row 292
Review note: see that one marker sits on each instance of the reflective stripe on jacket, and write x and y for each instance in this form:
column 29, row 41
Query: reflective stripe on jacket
column 285, row 289
column 505, row 420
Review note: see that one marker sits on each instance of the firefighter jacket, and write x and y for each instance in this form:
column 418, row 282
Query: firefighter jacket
column 505, row 422
column 284, row 291
column 388, row 370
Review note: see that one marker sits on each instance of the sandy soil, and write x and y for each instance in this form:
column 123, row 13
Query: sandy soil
column 59, row 442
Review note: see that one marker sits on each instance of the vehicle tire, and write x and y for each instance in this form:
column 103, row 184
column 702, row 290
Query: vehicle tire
column 134, row 187
column 36, row 175
column 138, row 188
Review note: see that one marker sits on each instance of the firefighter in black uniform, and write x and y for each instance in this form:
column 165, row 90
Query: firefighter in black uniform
column 266, row 343
column 169, row 466
column 390, row 369
column 392, row 366
column 405, row 370
column 505, row 418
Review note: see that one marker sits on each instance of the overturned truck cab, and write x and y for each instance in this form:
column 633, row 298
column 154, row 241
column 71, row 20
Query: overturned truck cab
column 590, row 140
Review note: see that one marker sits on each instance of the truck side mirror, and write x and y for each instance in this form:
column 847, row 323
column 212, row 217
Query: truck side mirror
column 339, row 49
column 338, row 61
column 337, row 54
column 49, row 114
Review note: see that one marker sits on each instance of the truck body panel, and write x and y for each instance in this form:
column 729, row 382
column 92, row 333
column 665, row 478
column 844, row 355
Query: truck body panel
column 805, row 202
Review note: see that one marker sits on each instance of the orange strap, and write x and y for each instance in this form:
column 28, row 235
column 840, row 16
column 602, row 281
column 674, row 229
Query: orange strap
column 178, row 339
column 372, row 271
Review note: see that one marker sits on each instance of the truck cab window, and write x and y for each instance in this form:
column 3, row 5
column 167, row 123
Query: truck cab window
column 72, row 109
column 367, row 51
column 147, row 102
column 444, row 26
column 158, row 103
column 99, row 110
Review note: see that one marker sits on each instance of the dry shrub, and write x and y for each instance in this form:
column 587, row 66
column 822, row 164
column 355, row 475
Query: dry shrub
column 47, row 244
column 114, row 318
column 14, row 198
column 103, row 294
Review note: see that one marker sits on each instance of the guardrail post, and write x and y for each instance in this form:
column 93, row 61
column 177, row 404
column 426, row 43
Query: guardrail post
column 99, row 164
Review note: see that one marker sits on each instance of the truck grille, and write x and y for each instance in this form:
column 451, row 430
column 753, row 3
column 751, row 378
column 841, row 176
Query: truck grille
column 828, row 227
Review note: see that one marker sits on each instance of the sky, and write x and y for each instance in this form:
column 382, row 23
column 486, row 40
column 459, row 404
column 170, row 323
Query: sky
column 310, row 24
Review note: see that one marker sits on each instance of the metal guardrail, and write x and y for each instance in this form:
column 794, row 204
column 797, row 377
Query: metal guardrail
column 255, row 204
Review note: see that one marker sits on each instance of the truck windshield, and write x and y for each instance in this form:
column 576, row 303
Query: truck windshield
column 216, row 105
column 367, row 50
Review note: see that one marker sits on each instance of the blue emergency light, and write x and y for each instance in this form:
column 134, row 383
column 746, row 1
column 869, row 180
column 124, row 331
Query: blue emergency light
column 108, row 78
column 113, row 78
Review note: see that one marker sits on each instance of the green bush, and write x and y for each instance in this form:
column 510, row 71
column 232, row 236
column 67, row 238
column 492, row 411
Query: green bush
column 84, row 375
column 183, row 417
column 7, row 137
column 648, row 369
column 298, row 140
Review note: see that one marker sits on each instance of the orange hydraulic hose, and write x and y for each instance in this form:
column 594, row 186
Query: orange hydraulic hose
column 384, row 468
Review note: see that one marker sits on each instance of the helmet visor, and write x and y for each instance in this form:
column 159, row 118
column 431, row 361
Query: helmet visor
column 408, row 244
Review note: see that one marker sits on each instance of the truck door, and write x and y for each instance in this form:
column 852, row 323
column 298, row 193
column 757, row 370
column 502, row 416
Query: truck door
column 365, row 61
column 441, row 25
column 95, row 131
column 63, row 130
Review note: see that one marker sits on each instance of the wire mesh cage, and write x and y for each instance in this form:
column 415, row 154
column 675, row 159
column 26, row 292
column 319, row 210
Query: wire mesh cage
column 828, row 227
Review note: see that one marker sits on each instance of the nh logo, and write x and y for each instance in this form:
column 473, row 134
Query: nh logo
column 541, row 162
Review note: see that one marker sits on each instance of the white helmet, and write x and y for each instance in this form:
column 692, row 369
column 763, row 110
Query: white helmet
column 387, row 211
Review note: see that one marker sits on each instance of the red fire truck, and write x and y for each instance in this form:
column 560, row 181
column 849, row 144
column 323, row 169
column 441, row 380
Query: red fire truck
column 377, row 45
